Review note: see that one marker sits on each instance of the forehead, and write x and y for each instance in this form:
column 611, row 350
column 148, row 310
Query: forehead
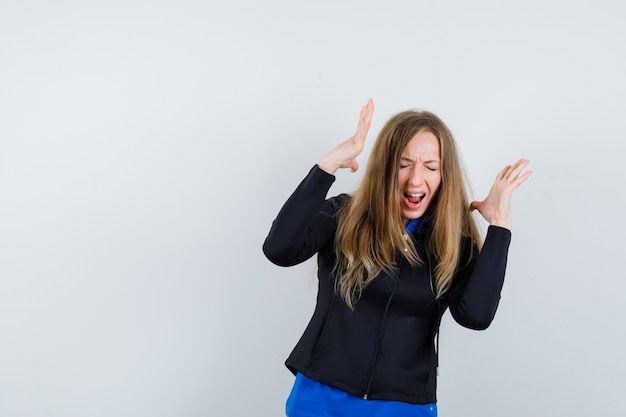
column 423, row 144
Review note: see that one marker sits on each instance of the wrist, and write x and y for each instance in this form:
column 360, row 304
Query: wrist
column 328, row 167
column 504, row 223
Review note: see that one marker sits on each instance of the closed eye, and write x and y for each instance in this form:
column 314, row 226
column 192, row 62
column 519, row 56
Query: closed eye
column 405, row 162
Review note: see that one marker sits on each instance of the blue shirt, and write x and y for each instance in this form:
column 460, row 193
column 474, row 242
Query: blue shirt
column 310, row 398
column 412, row 225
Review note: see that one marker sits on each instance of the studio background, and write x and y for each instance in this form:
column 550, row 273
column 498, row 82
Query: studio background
column 146, row 147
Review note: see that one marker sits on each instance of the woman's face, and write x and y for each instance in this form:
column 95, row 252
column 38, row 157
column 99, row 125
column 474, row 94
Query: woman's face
column 419, row 175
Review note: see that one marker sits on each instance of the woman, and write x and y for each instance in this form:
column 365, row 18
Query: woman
column 392, row 258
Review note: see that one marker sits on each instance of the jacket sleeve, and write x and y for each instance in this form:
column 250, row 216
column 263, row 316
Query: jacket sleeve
column 305, row 223
column 475, row 292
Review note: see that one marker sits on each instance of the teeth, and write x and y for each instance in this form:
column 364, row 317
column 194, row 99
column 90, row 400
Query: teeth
column 415, row 195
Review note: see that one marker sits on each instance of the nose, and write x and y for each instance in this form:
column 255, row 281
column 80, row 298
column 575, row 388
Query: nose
column 417, row 176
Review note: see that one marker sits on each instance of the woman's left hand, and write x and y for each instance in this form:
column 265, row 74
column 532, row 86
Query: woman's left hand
column 496, row 208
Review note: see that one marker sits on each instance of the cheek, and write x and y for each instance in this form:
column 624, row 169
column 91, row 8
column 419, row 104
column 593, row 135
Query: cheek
column 402, row 178
column 435, row 182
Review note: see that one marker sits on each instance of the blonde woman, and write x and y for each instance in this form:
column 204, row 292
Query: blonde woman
column 392, row 258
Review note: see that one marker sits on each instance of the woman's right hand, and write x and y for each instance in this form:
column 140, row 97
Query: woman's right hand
column 344, row 155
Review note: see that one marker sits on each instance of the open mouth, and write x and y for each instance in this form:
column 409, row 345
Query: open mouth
column 414, row 198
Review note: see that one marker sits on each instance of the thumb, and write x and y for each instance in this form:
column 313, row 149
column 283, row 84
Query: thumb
column 474, row 205
column 353, row 165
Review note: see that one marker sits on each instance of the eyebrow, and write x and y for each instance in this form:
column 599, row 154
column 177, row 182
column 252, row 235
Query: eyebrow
column 406, row 158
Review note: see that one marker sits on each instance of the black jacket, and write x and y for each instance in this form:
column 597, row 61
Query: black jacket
column 384, row 348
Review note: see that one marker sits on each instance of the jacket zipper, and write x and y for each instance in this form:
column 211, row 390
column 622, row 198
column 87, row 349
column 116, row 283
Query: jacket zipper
column 380, row 332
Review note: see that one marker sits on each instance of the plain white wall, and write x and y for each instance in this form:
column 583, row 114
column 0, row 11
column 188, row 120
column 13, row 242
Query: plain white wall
column 146, row 147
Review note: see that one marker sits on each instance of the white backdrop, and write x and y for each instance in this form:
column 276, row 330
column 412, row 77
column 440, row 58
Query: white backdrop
column 146, row 147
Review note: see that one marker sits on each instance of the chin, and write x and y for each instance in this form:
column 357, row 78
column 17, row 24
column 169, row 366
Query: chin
column 413, row 215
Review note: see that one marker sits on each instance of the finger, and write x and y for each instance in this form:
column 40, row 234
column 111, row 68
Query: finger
column 511, row 172
column 516, row 170
column 352, row 164
column 474, row 205
column 503, row 174
column 519, row 166
column 520, row 180
column 365, row 119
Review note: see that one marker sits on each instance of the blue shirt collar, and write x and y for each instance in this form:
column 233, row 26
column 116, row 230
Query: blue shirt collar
column 412, row 225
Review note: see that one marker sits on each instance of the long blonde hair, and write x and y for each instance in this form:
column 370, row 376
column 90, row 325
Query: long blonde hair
column 370, row 230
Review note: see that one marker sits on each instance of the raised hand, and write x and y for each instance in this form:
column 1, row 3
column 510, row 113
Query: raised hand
column 496, row 208
column 344, row 155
